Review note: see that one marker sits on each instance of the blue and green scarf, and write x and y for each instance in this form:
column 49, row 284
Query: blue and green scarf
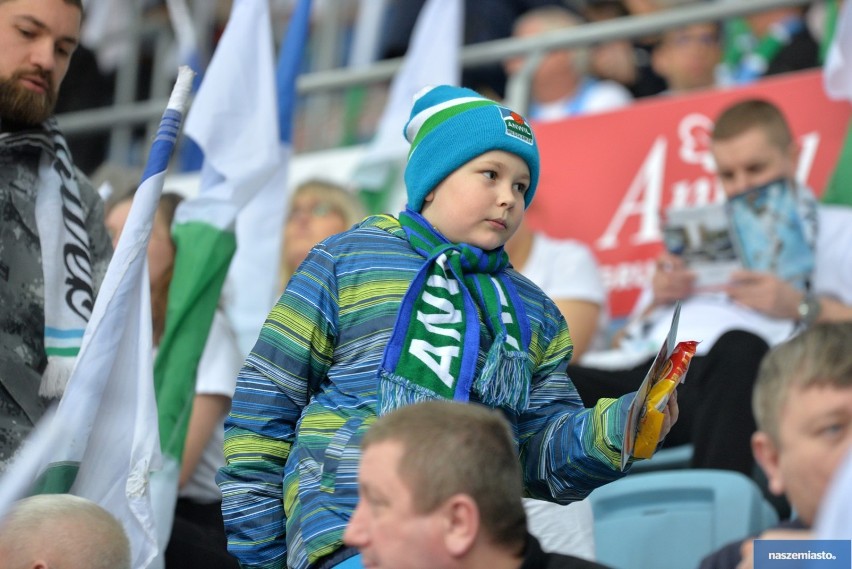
column 434, row 347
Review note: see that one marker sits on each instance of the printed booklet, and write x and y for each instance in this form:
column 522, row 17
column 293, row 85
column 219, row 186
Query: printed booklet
column 760, row 230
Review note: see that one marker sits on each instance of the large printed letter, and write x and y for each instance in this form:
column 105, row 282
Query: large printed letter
column 650, row 181
column 424, row 351
column 447, row 315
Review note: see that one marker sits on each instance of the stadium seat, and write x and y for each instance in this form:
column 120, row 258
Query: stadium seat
column 671, row 519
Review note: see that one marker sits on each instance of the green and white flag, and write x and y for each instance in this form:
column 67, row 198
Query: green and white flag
column 234, row 121
column 837, row 74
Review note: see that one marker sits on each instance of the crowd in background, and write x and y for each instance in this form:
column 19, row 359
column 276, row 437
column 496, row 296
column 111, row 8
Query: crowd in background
column 568, row 82
column 695, row 57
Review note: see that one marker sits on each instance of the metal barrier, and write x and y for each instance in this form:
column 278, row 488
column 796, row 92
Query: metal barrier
column 120, row 117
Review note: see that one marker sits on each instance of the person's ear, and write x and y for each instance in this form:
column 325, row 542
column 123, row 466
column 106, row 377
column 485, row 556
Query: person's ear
column 794, row 152
column 659, row 60
column 461, row 524
column 768, row 457
column 429, row 197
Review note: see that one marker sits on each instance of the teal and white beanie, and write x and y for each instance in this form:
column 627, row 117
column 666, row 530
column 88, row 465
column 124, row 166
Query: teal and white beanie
column 450, row 126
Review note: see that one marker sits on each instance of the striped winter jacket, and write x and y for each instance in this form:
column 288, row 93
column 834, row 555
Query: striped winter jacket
column 307, row 393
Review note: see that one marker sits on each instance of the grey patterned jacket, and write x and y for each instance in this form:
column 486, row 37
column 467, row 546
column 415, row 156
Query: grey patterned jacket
column 22, row 356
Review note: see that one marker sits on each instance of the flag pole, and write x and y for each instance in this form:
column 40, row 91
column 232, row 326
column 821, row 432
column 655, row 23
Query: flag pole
column 100, row 442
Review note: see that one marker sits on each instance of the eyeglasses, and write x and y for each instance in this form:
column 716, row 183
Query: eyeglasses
column 684, row 39
column 315, row 210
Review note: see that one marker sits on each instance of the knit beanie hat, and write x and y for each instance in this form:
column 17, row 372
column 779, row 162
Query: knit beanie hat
column 450, row 126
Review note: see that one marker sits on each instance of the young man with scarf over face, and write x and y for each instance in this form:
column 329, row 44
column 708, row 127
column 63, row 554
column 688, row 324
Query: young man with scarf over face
column 403, row 309
column 752, row 145
column 54, row 247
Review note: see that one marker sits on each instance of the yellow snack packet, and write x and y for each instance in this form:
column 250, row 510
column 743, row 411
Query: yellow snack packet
column 651, row 421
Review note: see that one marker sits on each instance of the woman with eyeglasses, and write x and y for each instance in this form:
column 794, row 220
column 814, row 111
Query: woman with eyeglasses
column 318, row 209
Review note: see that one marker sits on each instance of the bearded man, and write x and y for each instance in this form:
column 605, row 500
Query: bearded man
column 54, row 247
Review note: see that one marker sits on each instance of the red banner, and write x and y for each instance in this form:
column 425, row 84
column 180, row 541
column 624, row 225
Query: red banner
column 607, row 178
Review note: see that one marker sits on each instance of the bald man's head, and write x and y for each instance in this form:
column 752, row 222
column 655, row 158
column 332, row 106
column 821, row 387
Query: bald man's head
column 61, row 530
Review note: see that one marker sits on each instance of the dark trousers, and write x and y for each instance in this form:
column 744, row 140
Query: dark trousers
column 714, row 402
column 198, row 538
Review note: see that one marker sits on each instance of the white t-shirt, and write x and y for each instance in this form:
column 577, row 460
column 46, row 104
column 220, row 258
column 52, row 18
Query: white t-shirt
column 568, row 530
column 593, row 96
column 565, row 268
column 217, row 375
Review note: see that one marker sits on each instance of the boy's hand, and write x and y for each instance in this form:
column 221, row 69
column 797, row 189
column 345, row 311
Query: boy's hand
column 669, row 415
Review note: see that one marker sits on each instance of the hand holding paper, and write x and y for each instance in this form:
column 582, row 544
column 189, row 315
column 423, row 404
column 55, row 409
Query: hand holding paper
column 654, row 409
column 662, row 399
column 765, row 293
column 672, row 280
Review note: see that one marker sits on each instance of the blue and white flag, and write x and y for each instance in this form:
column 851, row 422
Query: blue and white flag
column 367, row 33
column 189, row 26
column 102, row 441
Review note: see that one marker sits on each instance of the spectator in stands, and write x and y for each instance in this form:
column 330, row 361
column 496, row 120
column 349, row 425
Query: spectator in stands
column 767, row 43
column 821, row 19
column 484, row 20
column 423, row 501
column 317, row 210
column 55, row 246
column 398, row 310
column 198, row 535
column 561, row 86
column 752, row 145
column 53, row 531
column 803, row 406
column 688, row 57
column 625, row 61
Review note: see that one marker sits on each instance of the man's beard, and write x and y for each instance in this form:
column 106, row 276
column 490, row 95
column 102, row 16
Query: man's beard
column 24, row 106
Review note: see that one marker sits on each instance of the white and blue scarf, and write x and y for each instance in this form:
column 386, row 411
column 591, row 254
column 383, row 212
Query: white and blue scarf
column 66, row 256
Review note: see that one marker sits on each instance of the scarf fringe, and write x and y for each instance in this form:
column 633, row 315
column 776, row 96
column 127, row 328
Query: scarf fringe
column 55, row 376
column 505, row 378
column 395, row 391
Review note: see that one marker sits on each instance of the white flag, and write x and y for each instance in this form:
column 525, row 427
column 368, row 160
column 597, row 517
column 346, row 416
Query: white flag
column 107, row 30
column 432, row 59
column 837, row 72
column 102, row 442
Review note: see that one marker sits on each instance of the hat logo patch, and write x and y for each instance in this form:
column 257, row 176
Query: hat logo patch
column 516, row 126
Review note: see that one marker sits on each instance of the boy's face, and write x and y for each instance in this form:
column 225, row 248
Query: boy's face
column 750, row 159
column 482, row 202
column 37, row 39
column 385, row 527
